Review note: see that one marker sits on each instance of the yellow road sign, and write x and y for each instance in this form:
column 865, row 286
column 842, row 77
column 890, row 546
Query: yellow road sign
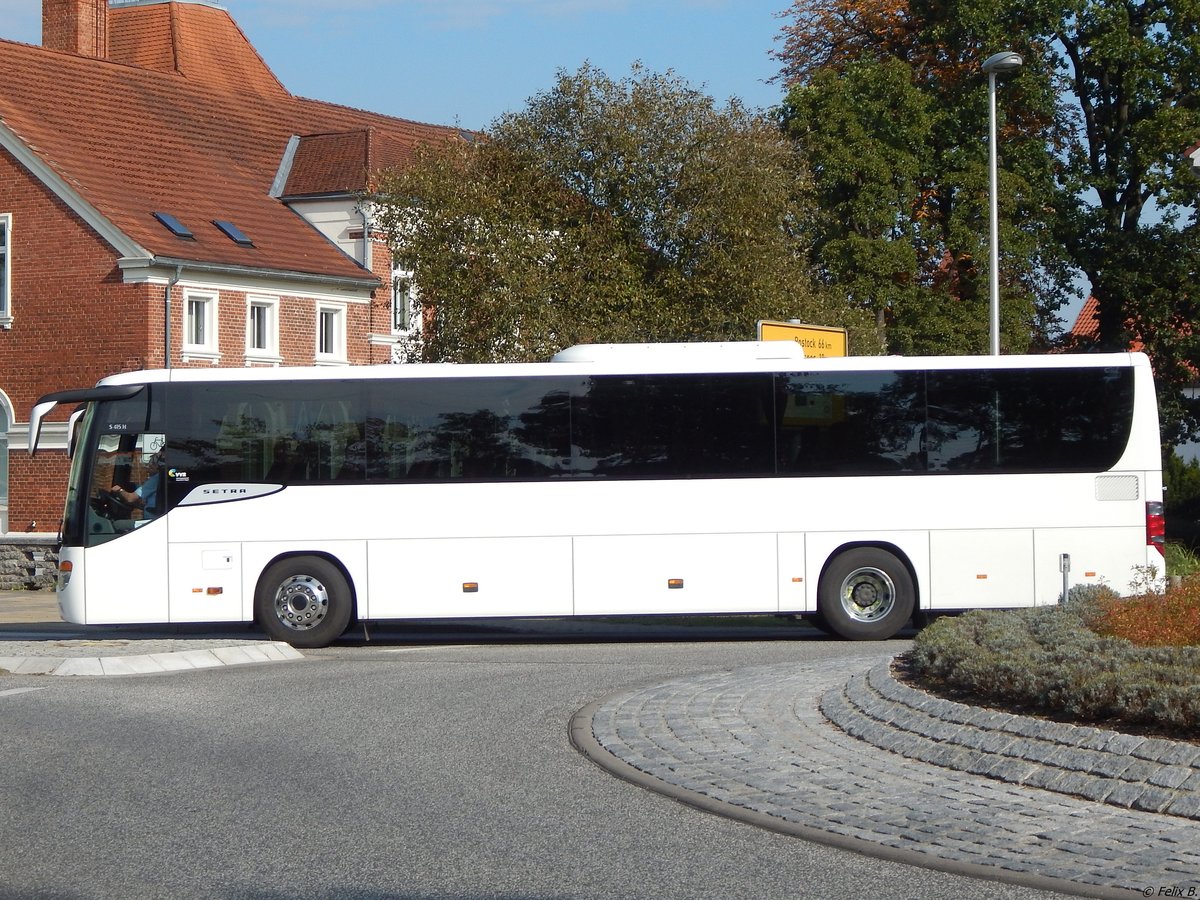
column 817, row 340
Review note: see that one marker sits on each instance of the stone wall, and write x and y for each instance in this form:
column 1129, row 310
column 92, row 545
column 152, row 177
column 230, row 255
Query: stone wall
column 28, row 562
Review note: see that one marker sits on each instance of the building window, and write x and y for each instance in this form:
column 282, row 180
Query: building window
column 262, row 330
column 331, row 333
column 5, row 273
column 200, row 326
column 403, row 298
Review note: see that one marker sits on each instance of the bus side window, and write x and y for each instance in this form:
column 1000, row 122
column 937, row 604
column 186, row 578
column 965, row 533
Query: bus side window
column 283, row 461
column 350, row 453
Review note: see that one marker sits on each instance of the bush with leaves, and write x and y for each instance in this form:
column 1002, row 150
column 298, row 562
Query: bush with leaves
column 1154, row 619
column 1048, row 660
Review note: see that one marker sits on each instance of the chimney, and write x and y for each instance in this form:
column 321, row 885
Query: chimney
column 76, row 26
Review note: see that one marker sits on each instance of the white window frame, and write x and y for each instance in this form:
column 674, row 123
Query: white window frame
column 268, row 354
column 208, row 349
column 335, row 353
column 6, row 317
column 6, row 423
column 404, row 301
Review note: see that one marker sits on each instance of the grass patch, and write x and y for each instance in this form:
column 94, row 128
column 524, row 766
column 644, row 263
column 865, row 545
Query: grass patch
column 1072, row 661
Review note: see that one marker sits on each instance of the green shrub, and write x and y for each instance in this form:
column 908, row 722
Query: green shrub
column 1181, row 560
column 1048, row 660
column 1088, row 595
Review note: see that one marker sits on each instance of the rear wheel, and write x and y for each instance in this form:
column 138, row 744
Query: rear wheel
column 303, row 600
column 866, row 594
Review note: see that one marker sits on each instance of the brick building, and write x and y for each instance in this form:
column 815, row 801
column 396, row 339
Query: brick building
column 159, row 188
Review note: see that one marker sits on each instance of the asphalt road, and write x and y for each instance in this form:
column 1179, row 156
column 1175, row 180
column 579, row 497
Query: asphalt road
column 398, row 768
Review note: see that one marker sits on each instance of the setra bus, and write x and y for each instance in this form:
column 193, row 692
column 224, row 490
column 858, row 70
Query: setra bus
column 614, row 480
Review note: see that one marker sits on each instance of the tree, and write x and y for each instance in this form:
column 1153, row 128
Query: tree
column 1098, row 121
column 1129, row 219
column 887, row 108
column 632, row 210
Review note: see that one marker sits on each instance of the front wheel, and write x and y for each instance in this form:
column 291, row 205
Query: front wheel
column 304, row 601
column 866, row 594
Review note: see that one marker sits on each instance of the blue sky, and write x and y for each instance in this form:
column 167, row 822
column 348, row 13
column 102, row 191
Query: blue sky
column 465, row 62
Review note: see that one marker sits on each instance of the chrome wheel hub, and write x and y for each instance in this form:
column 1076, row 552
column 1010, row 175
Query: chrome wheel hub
column 301, row 602
column 868, row 594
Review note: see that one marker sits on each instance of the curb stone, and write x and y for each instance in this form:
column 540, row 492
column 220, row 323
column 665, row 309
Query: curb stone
column 1128, row 771
column 150, row 663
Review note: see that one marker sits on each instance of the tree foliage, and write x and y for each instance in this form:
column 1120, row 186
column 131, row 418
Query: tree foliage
column 631, row 210
column 1094, row 179
column 886, row 104
column 1129, row 213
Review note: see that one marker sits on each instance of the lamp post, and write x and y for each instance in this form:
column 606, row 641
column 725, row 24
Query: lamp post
column 998, row 63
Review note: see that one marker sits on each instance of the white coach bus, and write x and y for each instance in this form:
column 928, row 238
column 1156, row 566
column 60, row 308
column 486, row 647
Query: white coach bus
column 614, row 480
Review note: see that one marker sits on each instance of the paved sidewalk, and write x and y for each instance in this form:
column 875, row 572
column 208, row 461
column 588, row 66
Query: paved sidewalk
column 754, row 744
column 34, row 640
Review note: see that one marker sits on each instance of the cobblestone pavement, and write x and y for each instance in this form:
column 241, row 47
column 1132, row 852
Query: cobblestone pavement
column 755, row 744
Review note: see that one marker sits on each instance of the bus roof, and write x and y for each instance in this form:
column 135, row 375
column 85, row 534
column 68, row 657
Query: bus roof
column 601, row 359
column 723, row 351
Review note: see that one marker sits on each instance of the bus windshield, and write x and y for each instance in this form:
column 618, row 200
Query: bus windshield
column 118, row 482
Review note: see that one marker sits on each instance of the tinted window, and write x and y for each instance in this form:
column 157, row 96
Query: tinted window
column 419, row 429
column 1028, row 420
column 665, row 426
column 474, row 428
column 648, row 426
column 851, row 423
column 285, row 433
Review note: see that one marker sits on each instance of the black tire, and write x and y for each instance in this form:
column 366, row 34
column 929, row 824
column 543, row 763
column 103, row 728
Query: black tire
column 304, row 601
column 866, row 594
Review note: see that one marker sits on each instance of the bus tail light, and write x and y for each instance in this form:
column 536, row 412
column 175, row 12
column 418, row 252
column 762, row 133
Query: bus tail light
column 1156, row 525
column 64, row 573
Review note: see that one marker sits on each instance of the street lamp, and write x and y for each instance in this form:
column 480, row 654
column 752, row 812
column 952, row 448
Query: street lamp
column 996, row 64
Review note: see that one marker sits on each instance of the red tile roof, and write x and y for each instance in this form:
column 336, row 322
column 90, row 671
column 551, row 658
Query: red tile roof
column 1086, row 329
column 1087, row 323
column 197, row 42
column 329, row 163
column 191, row 122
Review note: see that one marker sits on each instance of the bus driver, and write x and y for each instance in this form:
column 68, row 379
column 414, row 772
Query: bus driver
column 145, row 495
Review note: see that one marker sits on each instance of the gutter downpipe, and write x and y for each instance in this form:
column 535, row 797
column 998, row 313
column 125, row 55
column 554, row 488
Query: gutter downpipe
column 171, row 282
column 367, row 260
column 366, row 217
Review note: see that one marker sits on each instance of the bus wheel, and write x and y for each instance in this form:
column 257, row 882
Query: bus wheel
column 866, row 594
column 304, row 601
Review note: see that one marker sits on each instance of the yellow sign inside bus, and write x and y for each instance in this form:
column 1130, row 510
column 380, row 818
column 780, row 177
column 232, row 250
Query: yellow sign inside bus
column 817, row 340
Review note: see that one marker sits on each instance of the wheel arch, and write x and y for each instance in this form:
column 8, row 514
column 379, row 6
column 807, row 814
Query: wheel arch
column 331, row 558
column 886, row 546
